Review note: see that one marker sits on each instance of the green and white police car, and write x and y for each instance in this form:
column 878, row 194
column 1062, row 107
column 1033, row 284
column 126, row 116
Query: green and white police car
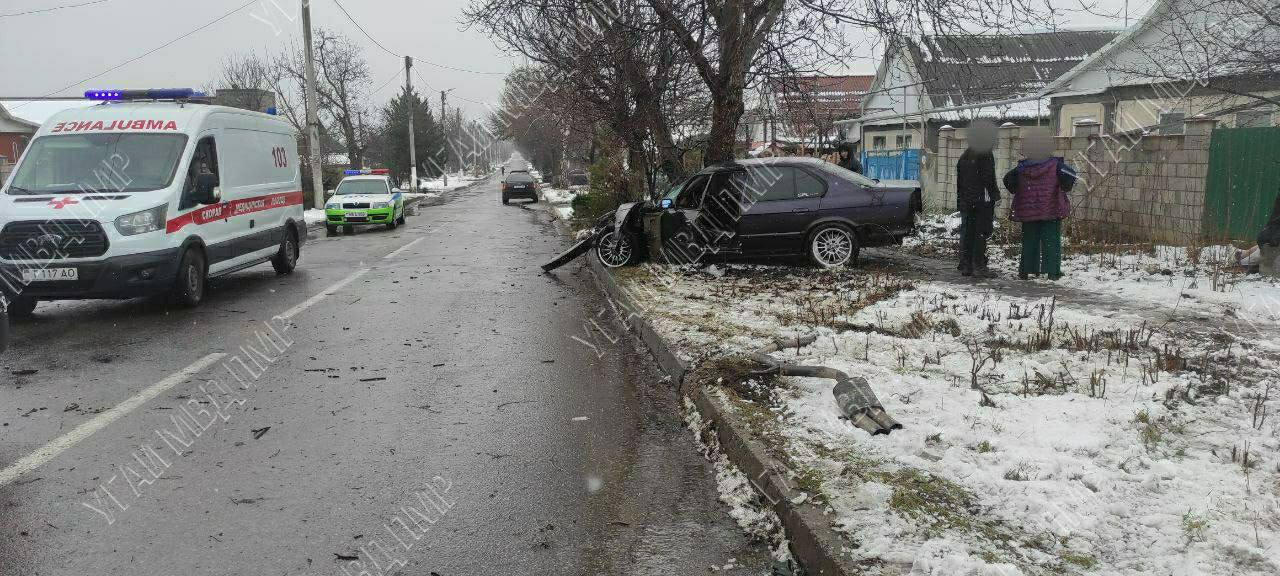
column 364, row 198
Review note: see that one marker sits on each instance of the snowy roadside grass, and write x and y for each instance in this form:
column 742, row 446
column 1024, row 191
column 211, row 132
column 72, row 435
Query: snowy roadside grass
column 314, row 216
column 1042, row 437
column 455, row 181
column 1201, row 279
column 561, row 199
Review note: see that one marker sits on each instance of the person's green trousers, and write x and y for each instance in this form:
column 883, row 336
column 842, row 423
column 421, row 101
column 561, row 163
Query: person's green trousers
column 1041, row 248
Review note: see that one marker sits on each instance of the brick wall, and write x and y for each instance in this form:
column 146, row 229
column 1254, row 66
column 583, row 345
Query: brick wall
column 1146, row 189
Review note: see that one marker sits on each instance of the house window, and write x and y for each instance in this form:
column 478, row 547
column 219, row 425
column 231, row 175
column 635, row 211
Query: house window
column 1172, row 123
column 878, row 143
column 903, row 142
column 1256, row 118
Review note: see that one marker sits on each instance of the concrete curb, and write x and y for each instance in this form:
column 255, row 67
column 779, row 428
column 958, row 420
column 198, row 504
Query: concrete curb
column 815, row 545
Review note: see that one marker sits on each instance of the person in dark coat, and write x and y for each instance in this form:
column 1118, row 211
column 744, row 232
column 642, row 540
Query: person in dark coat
column 976, row 197
column 849, row 158
column 1039, row 184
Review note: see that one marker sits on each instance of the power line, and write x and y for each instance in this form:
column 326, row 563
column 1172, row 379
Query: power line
column 55, row 8
column 394, row 75
column 153, row 50
column 415, row 58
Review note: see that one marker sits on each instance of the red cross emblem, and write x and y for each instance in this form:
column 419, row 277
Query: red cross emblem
column 63, row 203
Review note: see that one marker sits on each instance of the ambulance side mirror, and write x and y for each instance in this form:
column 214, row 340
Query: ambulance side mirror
column 207, row 191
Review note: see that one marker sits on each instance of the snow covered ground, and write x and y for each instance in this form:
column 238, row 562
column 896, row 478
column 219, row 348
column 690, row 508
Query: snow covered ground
column 1045, row 434
column 561, row 199
column 455, row 181
column 314, row 216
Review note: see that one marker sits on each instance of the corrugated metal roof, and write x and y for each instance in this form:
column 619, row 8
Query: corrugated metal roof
column 970, row 69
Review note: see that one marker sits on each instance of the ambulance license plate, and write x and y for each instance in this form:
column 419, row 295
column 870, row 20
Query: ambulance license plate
column 50, row 274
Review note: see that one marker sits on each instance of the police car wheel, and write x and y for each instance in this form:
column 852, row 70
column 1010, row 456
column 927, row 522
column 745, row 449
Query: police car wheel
column 287, row 258
column 22, row 307
column 400, row 220
column 190, row 286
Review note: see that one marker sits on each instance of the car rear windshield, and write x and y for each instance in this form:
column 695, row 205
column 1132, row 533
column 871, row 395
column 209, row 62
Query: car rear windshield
column 378, row 186
column 95, row 163
column 519, row 177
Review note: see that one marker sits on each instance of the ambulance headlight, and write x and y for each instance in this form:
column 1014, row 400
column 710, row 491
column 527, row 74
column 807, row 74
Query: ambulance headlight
column 380, row 205
column 142, row 222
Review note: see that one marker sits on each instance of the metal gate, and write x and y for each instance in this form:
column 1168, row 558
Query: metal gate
column 1243, row 179
column 892, row 164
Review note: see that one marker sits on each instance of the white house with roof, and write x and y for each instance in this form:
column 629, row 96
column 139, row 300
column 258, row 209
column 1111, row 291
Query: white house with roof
column 931, row 81
column 1184, row 58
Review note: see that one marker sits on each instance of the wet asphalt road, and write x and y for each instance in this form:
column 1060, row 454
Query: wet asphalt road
column 432, row 414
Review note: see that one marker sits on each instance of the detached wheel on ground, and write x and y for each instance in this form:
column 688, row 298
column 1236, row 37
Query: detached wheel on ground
column 833, row 245
column 189, row 287
column 617, row 249
column 287, row 258
column 22, row 306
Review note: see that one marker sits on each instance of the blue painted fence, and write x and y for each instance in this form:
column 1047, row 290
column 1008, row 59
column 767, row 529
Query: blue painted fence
column 892, row 164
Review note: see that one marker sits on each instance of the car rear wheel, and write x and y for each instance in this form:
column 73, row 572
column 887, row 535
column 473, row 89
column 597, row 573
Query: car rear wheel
column 22, row 306
column 287, row 258
column 833, row 245
column 188, row 290
column 616, row 249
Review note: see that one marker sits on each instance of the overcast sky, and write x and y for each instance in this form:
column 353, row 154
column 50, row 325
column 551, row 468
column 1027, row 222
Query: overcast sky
column 51, row 51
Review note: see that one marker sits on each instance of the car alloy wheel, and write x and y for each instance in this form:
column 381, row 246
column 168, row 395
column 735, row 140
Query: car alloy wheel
column 615, row 249
column 832, row 246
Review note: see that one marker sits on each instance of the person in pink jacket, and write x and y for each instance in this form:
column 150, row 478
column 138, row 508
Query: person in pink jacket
column 1039, row 185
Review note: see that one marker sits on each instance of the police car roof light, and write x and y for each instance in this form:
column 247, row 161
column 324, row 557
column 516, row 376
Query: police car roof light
column 366, row 172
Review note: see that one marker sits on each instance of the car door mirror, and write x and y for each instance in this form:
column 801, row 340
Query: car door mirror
column 207, row 191
column 328, row 193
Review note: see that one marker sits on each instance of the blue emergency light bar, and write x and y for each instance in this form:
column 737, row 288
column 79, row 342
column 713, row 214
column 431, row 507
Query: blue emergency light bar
column 148, row 94
column 366, row 172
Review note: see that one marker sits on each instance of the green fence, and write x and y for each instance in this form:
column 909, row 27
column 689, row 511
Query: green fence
column 1243, row 179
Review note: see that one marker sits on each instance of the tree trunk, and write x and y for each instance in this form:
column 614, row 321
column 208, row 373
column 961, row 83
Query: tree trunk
column 726, row 112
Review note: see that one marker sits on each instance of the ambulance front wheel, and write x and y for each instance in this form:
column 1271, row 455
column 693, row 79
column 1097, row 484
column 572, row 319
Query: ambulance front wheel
column 188, row 291
column 287, row 258
column 22, row 307
column 330, row 230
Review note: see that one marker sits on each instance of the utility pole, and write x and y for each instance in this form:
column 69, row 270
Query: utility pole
column 413, row 152
column 313, row 117
column 444, row 131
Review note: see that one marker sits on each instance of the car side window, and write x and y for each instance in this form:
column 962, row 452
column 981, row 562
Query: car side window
column 205, row 159
column 808, row 185
column 691, row 197
column 771, row 183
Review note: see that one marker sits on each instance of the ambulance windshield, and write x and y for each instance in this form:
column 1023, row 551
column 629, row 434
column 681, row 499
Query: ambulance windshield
column 98, row 163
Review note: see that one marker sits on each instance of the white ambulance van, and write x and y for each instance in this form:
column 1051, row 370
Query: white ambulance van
column 149, row 192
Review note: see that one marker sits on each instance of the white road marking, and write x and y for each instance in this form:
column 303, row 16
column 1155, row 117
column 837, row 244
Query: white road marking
column 400, row 249
column 62, row 443
column 312, row 301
